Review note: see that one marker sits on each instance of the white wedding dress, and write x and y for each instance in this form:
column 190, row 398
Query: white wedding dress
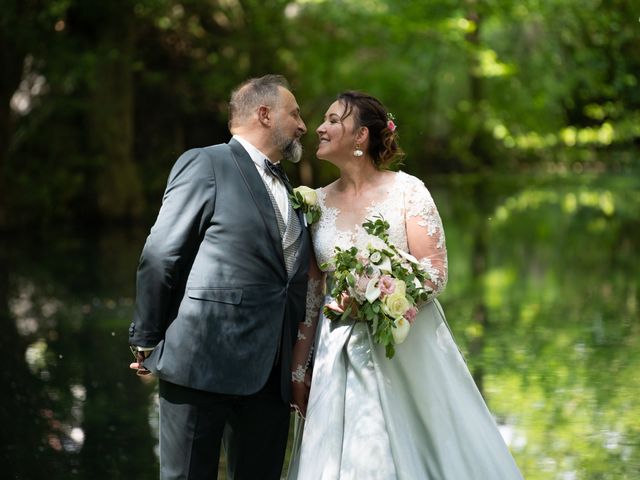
column 416, row 416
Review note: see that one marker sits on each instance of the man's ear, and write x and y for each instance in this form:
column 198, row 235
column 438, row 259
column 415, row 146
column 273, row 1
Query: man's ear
column 264, row 115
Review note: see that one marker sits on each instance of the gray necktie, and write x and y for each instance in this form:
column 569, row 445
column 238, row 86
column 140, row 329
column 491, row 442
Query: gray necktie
column 289, row 232
column 277, row 171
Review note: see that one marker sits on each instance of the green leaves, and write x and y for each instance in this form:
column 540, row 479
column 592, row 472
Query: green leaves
column 378, row 227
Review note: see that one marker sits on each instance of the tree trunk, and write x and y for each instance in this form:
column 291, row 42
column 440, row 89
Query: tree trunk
column 111, row 129
column 479, row 195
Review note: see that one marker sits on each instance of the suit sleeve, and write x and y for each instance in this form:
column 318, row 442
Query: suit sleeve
column 172, row 245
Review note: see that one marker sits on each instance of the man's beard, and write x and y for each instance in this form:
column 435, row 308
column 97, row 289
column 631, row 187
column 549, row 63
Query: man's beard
column 290, row 148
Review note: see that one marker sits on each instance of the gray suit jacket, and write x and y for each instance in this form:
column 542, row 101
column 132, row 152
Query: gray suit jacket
column 212, row 289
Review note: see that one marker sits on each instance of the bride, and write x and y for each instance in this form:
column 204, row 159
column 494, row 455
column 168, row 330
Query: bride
column 418, row 415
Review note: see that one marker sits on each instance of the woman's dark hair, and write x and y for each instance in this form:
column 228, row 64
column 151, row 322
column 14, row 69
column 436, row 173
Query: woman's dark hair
column 369, row 112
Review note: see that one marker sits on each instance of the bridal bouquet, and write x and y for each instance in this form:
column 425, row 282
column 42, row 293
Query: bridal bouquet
column 381, row 285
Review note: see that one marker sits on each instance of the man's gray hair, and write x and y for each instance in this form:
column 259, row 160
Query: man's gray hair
column 248, row 96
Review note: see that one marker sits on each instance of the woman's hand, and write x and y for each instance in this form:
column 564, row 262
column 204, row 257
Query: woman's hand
column 300, row 398
column 341, row 304
column 300, row 395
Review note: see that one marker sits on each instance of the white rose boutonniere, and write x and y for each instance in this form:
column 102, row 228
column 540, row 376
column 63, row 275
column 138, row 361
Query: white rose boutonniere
column 307, row 199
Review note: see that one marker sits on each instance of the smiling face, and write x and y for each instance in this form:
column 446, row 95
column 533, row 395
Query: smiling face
column 336, row 134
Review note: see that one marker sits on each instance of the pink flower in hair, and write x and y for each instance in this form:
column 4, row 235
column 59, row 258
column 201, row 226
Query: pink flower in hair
column 391, row 126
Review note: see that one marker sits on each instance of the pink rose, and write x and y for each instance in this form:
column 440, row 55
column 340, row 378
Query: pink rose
column 387, row 285
column 411, row 314
column 361, row 287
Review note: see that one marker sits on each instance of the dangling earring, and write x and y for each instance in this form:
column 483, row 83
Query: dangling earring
column 358, row 152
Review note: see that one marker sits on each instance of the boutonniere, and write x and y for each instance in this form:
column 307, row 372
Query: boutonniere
column 306, row 199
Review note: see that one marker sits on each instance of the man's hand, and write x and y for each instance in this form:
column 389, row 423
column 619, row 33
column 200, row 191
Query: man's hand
column 138, row 364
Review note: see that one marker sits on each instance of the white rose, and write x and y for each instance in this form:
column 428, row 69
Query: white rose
column 401, row 287
column 309, row 195
column 396, row 304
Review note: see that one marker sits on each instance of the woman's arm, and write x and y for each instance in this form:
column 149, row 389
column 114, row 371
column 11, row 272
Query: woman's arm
column 303, row 349
column 425, row 235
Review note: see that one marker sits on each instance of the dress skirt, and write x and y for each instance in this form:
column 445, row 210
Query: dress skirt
column 418, row 415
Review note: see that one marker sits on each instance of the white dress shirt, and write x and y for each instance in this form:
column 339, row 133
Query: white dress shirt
column 277, row 188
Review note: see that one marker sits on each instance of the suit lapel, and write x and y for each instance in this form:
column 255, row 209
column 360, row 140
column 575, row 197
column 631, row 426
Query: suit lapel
column 258, row 192
column 303, row 240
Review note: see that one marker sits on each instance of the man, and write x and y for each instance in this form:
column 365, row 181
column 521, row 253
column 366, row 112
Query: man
column 221, row 290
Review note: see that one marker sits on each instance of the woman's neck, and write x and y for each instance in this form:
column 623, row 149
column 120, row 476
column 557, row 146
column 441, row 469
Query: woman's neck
column 358, row 176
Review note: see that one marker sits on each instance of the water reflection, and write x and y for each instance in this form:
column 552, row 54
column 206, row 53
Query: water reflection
column 543, row 298
column 72, row 410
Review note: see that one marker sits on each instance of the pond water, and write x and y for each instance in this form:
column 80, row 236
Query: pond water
column 543, row 297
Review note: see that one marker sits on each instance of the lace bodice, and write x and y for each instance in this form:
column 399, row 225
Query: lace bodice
column 408, row 200
column 414, row 227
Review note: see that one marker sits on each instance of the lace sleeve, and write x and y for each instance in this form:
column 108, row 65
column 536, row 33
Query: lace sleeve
column 303, row 349
column 425, row 235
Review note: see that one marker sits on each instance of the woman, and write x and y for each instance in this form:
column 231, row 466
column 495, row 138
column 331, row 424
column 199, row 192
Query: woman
column 418, row 415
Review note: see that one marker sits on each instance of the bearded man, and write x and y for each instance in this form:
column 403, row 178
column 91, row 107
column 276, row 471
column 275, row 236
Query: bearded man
column 220, row 293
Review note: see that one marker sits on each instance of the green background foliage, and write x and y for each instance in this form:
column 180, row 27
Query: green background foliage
column 99, row 98
column 522, row 117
